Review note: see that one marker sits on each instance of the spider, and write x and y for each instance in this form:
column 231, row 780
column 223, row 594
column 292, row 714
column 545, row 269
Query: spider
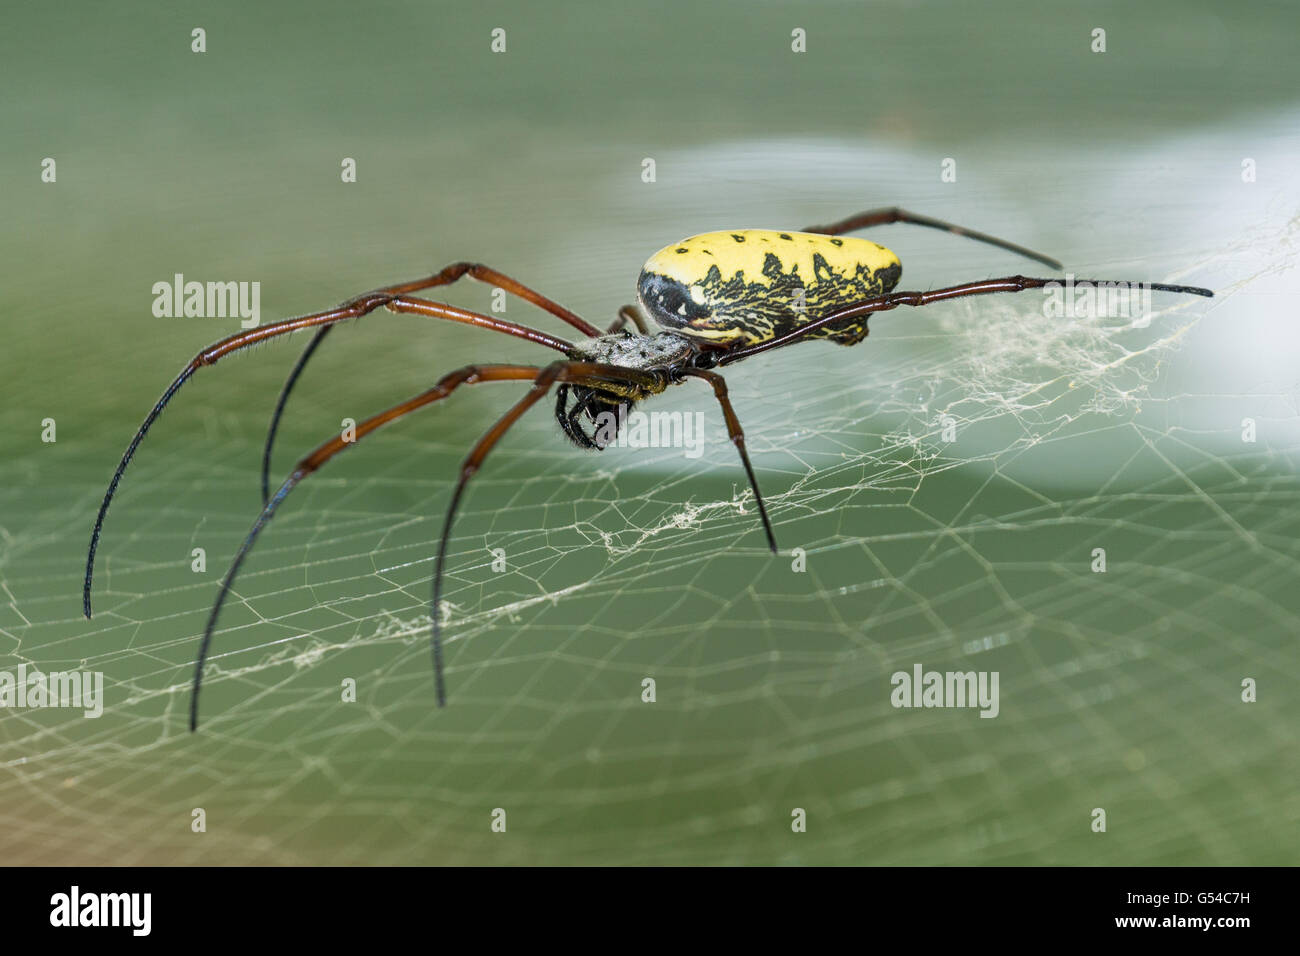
column 719, row 298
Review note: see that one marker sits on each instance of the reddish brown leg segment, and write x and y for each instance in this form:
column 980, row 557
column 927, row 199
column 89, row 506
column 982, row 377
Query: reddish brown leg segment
column 737, row 436
column 486, row 274
column 556, row 372
column 629, row 313
column 350, row 310
column 543, row 379
column 446, row 276
column 892, row 300
column 469, row 375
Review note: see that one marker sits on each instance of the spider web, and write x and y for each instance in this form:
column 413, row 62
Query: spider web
column 1119, row 690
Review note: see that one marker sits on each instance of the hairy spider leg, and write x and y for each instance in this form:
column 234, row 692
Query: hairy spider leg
column 543, row 378
column 583, row 373
column 892, row 300
column 469, row 375
column 353, row 309
column 737, row 435
column 446, row 276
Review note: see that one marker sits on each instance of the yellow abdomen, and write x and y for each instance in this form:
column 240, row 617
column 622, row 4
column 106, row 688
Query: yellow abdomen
column 753, row 285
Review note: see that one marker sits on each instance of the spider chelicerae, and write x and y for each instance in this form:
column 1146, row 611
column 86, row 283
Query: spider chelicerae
column 718, row 299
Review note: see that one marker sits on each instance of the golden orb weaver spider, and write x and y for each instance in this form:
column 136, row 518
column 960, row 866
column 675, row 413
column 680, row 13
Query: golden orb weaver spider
column 719, row 298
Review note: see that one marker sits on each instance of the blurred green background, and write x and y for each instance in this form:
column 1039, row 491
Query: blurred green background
column 1119, row 690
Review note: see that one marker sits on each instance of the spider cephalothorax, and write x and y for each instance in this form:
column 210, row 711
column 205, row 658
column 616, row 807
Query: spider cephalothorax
column 590, row 414
column 721, row 297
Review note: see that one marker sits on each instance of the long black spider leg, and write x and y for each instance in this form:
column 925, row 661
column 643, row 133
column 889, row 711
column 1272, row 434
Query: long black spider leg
column 276, row 415
column 268, row 510
column 469, row 375
column 880, row 217
column 892, row 300
column 446, row 276
column 358, row 307
column 555, row 372
column 737, row 436
column 138, row 437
